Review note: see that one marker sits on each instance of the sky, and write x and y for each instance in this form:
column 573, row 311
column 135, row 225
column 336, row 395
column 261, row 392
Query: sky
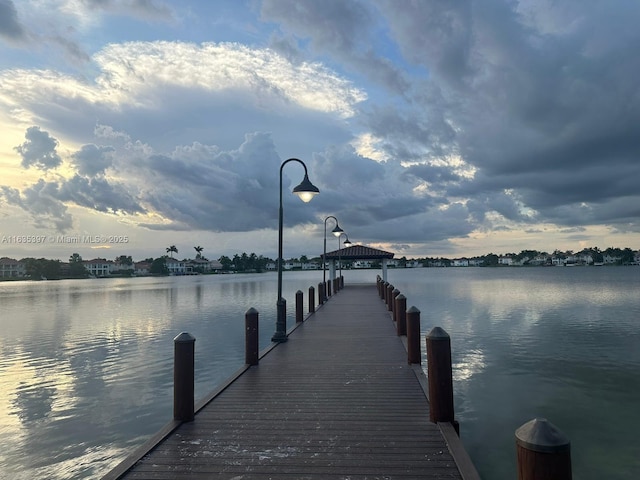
column 431, row 128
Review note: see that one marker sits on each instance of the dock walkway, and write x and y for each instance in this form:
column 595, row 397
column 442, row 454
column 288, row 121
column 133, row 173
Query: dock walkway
column 338, row 400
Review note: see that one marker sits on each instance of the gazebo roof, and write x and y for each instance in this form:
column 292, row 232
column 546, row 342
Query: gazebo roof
column 358, row 252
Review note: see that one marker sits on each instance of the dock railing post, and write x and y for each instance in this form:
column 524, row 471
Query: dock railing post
column 413, row 336
column 439, row 373
column 312, row 299
column 400, row 312
column 329, row 288
column 183, row 377
column 299, row 306
column 320, row 293
column 394, row 295
column 543, row 451
column 251, row 337
column 390, row 289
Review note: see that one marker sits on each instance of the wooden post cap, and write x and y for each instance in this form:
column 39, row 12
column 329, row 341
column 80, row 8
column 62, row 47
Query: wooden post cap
column 400, row 297
column 437, row 333
column 540, row 435
column 184, row 337
column 251, row 311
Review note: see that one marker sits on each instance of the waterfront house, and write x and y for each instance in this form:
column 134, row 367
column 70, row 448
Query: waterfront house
column 99, row 267
column 10, row 268
column 141, row 268
column 178, row 267
column 460, row 262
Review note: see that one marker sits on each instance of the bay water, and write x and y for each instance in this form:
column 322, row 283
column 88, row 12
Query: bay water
column 86, row 365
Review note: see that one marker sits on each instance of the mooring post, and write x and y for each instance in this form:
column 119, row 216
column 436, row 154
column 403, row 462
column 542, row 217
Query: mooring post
column 413, row 336
column 543, row 451
column 299, row 306
column 385, row 290
column 341, row 282
column 379, row 285
column 400, row 311
column 390, row 289
column 439, row 373
column 183, row 377
column 251, row 338
column 328, row 288
column 312, row 299
column 394, row 295
column 320, row 293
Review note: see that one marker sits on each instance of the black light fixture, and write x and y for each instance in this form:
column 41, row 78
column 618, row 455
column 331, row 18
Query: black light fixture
column 306, row 191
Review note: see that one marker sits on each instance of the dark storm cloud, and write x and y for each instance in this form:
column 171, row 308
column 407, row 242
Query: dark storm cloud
column 39, row 150
column 10, row 26
column 97, row 194
column 146, row 9
column 92, row 159
column 202, row 187
column 539, row 98
column 344, row 29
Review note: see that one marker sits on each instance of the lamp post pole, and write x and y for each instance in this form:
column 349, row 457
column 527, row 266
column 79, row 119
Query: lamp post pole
column 336, row 231
column 306, row 191
column 346, row 242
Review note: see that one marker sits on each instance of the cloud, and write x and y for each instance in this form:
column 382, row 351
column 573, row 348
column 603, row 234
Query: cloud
column 344, row 29
column 39, row 150
column 92, row 159
column 39, row 200
column 10, row 26
column 144, row 9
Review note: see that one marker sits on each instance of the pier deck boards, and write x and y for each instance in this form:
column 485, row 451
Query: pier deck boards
column 337, row 400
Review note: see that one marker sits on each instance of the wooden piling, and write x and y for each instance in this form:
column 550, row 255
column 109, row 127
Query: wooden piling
column 390, row 297
column 312, row 299
column 299, row 306
column 320, row 293
column 413, row 336
column 395, row 292
column 439, row 373
column 400, row 312
column 251, row 337
column 543, row 451
column 183, row 377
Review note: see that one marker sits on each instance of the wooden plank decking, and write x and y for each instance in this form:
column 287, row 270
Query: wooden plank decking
column 338, row 400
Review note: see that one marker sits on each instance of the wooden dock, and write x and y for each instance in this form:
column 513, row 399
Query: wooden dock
column 338, row 400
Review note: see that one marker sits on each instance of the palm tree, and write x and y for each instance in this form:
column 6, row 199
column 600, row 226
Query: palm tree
column 171, row 250
column 198, row 250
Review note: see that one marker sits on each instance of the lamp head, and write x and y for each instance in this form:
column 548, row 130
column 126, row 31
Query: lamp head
column 347, row 242
column 306, row 190
column 337, row 231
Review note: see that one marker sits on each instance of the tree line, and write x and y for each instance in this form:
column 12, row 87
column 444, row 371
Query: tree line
column 41, row 268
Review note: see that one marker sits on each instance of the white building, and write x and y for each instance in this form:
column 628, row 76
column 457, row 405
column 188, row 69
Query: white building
column 10, row 268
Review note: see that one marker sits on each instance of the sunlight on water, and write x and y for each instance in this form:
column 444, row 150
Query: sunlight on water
column 86, row 366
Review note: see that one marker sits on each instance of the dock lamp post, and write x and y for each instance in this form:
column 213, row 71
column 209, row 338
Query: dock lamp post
column 336, row 231
column 346, row 243
column 306, row 191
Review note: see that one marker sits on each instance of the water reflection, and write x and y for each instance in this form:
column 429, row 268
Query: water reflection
column 556, row 343
column 86, row 366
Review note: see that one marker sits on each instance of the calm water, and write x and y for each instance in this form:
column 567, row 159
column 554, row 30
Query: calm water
column 86, row 365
